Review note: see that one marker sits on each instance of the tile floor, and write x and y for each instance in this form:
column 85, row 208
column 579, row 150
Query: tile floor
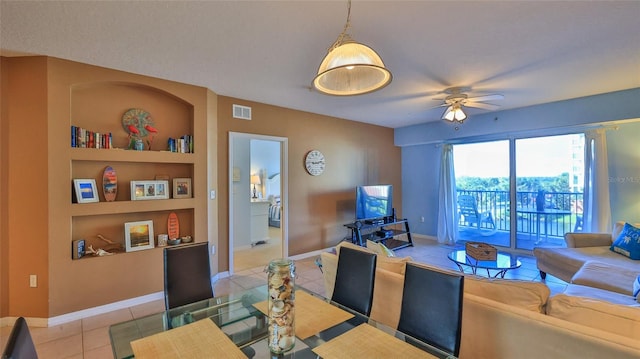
column 89, row 338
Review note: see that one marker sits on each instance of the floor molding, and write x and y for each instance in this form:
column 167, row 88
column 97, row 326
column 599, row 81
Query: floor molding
column 89, row 312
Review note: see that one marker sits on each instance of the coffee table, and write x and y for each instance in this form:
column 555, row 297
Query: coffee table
column 504, row 261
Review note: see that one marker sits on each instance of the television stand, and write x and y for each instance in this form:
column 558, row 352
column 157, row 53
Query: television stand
column 385, row 232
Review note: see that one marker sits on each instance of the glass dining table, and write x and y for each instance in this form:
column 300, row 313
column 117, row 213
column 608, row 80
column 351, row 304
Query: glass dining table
column 239, row 318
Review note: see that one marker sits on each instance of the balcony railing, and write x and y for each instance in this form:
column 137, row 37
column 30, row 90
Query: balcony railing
column 562, row 213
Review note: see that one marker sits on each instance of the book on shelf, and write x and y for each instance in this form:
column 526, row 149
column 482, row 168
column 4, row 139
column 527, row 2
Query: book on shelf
column 184, row 144
column 83, row 138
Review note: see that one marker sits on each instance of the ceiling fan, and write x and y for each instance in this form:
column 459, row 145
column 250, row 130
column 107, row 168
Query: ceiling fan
column 458, row 99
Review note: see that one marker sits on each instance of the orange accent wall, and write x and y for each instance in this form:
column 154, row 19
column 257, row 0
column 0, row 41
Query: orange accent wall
column 41, row 221
column 27, row 235
column 37, row 216
column 4, row 200
column 356, row 153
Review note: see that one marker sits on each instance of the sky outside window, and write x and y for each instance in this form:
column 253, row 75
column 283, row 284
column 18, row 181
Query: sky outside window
column 535, row 157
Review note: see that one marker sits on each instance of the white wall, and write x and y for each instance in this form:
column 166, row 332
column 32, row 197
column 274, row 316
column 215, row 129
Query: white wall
column 241, row 193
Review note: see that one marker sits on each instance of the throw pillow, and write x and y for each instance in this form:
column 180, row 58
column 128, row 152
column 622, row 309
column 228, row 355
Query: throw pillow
column 636, row 288
column 380, row 249
column 393, row 264
column 628, row 242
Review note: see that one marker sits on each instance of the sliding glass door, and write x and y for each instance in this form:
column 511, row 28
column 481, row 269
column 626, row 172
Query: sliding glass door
column 549, row 185
column 482, row 186
column 529, row 198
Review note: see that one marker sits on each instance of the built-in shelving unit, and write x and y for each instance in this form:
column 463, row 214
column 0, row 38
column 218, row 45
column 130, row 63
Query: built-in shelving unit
column 95, row 98
column 108, row 218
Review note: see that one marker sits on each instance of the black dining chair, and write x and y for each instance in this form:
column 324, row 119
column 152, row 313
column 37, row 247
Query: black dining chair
column 20, row 345
column 187, row 274
column 432, row 307
column 355, row 276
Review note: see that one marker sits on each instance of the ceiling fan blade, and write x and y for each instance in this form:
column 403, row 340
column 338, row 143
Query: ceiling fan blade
column 484, row 106
column 486, row 98
column 437, row 106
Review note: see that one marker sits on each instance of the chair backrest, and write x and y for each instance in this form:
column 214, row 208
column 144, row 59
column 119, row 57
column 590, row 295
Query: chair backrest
column 20, row 345
column 468, row 206
column 355, row 276
column 187, row 274
column 432, row 307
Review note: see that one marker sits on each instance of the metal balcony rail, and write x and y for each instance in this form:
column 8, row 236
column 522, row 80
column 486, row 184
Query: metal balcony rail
column 562, row 212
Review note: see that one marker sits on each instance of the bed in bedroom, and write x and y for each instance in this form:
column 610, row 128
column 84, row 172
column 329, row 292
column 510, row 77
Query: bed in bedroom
column 274, row 212
column 273, row 195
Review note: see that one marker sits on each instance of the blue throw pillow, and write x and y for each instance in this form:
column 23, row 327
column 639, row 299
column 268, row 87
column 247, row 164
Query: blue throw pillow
column 628, row 242
column 636, row 287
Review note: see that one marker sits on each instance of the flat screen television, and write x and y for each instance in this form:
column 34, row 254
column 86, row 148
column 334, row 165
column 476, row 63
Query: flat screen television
column 374, row 202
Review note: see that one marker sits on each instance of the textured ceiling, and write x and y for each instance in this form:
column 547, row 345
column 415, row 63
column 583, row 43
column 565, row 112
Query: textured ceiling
column 532, row 52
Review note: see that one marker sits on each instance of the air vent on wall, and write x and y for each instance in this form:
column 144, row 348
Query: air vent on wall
column 242, row 112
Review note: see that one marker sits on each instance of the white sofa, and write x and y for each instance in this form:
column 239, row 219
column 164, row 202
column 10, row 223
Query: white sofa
column 514, row 319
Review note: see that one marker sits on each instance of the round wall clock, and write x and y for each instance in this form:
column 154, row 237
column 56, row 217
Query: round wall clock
column 314, row 162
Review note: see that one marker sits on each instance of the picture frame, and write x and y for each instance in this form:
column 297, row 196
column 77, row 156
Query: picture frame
column 86, row 190
column 145, row 190
column 138, row 236
column 182, row 188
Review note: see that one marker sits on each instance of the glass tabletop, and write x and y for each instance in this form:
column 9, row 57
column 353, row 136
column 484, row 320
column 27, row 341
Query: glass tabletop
column 504, row 260
column 244, row 325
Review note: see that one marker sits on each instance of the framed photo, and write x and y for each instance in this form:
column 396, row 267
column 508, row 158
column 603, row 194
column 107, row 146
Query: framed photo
column 138, row 235
column 182, row 188
column 143, row 190
column 86, row 190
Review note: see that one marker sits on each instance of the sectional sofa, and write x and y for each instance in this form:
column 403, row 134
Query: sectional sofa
column 511, row 318
column 588, row 261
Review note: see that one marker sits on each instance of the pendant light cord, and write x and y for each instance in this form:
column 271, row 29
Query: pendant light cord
column 343, row 36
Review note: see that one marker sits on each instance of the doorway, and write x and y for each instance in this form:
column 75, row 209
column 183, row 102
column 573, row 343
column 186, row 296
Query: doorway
column 257, row 200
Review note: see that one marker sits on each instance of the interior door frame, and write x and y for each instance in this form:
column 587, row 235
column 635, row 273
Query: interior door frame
column 284, row 189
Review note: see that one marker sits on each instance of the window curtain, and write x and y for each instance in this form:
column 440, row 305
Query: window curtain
column 597, row 207
column 447, row 202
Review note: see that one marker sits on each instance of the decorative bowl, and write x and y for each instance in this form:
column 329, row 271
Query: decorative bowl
column 173, row 242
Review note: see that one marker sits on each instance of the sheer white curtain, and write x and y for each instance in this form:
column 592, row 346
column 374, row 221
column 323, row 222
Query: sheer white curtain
column 597, row 207
column 447, row 203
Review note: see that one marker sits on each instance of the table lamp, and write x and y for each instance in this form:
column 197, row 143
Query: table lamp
column 255, row 179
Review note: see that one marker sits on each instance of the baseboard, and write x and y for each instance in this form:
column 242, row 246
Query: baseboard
column 89, row 312
column 69, row 317
column 424, row 236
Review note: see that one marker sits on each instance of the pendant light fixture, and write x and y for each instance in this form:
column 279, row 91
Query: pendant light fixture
column 350, row 68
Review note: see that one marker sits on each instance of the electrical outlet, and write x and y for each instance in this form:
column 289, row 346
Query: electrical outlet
column 33, row 281
column 422, row 219
column 212, row 194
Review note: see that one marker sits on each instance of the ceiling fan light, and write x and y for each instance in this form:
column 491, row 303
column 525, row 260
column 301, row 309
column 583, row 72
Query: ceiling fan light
column 454, row 113
column 351, row 69
column 448, row 114
column 459, row 115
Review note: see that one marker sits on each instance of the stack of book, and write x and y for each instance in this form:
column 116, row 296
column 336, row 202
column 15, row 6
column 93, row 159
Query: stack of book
column 183, row 144
column 83, row 138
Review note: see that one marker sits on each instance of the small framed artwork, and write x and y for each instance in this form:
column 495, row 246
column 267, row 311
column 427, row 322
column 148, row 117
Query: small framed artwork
column 86, row 190
column 77, row 249
column 182, row 188
column 143, row 190
column 138, row 236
